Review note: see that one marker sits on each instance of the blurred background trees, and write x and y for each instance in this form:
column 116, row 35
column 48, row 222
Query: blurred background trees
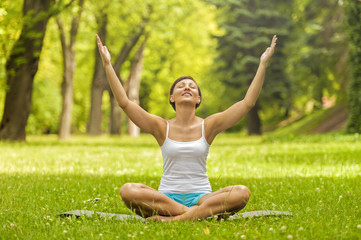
column 22, row 65
column 68, row 41
column 249, row 25
column 217, row 42
column 353, row 24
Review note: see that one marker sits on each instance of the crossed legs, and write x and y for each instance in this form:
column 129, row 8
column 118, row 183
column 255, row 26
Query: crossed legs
column 150, row 203
column 146, row 201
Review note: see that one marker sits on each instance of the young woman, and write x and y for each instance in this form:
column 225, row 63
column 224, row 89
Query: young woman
column 184, row 192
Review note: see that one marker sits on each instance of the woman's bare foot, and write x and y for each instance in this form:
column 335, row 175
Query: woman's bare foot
column 158, row 218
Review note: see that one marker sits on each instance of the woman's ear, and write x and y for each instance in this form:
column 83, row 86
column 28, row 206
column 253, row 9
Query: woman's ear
column 199, row 100
column 171, row 99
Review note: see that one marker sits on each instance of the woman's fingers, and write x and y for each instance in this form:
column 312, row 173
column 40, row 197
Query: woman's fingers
column 98, row 40
column 103, row 50
column 100, row 44
column 274, row 40
column 270, row 50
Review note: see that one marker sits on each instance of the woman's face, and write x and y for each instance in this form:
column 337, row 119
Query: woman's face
column 185, row 91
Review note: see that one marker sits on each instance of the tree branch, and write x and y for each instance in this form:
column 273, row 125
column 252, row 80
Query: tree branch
column 75, row 24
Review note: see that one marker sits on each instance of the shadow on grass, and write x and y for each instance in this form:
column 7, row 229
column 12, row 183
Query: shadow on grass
column 145, row 140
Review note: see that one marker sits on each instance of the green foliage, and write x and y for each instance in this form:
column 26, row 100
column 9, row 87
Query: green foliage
column 180, row 44
column 308, row 63
column 46, row 102
column 353, row 16
column 316, row 52
column 249, row 27
column 10, row 28
column 314, row 177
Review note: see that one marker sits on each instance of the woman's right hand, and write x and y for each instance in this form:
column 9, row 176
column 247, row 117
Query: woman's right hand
column 104, row 53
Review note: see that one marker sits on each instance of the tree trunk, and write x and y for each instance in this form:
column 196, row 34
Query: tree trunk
column 254, row 122
column 99, row 84
column 134, row 85
column 115, row 116
column 21, row 69
column 115, row 111
column 67, row 93
column 68, row 74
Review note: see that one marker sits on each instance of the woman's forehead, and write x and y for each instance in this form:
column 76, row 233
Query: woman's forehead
column 186, row 81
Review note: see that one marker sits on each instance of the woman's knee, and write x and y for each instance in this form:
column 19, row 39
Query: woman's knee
column 242, row 191
column 129, row 190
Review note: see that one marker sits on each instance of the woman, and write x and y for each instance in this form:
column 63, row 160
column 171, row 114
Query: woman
column 184, row 192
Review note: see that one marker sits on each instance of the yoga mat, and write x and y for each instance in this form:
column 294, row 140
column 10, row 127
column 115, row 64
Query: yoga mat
column 225, row 216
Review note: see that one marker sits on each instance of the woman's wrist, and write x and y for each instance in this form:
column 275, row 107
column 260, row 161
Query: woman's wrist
column 108, row 64
column 263, row 63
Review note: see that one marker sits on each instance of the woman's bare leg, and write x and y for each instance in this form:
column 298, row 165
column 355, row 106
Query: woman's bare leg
column 146, row 201
column 230, row 199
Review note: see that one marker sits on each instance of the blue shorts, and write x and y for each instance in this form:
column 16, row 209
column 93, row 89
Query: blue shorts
column 187, row 199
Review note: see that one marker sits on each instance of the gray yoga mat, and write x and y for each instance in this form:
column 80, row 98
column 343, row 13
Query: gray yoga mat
column 120, row 217
column 261, row 213
column 124, row 217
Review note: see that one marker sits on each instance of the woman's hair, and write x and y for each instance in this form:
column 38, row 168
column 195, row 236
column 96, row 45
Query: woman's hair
column 177, row 81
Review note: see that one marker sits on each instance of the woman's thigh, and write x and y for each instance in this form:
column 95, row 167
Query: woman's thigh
column 225, row 191
column 138, row 195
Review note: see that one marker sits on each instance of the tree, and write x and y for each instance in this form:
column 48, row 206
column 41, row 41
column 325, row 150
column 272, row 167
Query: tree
column 133, row 84
column 22, row 67
column 317, row 52
column 10, row 28
column 181, row 44
column 249, row 26
column 100, row 83
column 353, row 21
column 135, row 35
column 68, row 72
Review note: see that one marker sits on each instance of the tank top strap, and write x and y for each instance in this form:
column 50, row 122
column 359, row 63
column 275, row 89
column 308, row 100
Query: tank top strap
column 203, row 128
column 167, row 130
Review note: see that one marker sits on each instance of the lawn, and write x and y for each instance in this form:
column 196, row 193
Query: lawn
column 317, row 178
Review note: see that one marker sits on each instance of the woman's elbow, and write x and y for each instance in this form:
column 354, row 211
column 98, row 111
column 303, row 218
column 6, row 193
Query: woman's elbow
column 249, row 104
column 123, row 103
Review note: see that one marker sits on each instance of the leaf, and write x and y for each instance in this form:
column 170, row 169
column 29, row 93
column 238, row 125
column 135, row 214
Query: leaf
column 206, row 231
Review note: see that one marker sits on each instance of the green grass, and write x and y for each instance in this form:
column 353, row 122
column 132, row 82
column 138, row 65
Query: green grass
column 309, row 122
column 317, row 178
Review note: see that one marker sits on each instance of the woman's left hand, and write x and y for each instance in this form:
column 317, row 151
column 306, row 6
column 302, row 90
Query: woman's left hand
column 266, row 56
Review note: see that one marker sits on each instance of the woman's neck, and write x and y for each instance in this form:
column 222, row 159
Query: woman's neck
column 185, row 115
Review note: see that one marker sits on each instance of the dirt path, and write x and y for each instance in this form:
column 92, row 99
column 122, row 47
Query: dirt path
column 336, row 120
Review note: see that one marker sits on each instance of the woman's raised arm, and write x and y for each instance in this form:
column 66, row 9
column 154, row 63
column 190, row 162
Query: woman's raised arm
column 221, row 121
column 148, row 122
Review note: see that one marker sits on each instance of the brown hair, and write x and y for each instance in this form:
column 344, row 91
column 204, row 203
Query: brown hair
column 177, row 81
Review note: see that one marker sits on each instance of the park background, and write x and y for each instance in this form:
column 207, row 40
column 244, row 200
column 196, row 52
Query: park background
column 298, row 149
column 52, row 81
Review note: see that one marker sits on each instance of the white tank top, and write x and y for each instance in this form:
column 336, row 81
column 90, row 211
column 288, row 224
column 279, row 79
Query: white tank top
column 185, row 166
